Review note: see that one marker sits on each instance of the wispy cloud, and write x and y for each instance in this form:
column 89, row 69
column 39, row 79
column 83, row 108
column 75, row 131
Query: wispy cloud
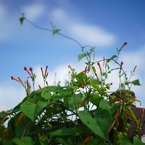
column 34, row 11
column 92, row 35
column 83, row 32
column 10, row 96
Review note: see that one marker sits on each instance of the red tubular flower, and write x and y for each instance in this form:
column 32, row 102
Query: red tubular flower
column 134, row 68
column 86, row 140
column 121, row 64
column 70, row 67
column 125, row 43
column 96, row 76
column 6, row 112
column 16, row 79
column 46, row 71
column 40, row 88
column 31, row 70
column 20, row 80
column 25, row 68
column 87, row 69
column 99, row 68
column 28, row 86
column 21, row 116
column 42, row 71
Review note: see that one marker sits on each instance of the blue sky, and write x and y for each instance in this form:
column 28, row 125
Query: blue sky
column 105, row 24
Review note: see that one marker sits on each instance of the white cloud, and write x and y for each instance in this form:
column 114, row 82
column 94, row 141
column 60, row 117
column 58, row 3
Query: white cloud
column 59, row 15
column 92, row 35
column 83, row 32
column 34, row 11
column 10, row 96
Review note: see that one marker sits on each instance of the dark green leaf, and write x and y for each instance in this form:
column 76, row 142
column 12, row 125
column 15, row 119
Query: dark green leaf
column 63, row 132
column 22, row 19
column 136, row 82
column 90, row 122
column 95, row 142
column 42, row 103
column 126, row 141
column 137, row 141
column 104, row 104
column 104, row 119
column 23, row 141
column 95, row 99
column 28, row 108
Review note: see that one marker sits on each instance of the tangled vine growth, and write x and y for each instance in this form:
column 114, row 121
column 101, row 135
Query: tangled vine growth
column 83, row 112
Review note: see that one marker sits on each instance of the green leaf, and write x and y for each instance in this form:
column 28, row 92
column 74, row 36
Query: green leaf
column 90, row 122
column 28, row 108
column 126, row 141
column 104, row 119
column 95, row 99
column 73, row 103
column 71, row 131
column 55, row 31
column 42, row 103
column 94, row 69
column 80, row 56
column 82, row 78
column 46, row 94
column 104, row 104
column 137, row 141
column 114, row 56
column 63, row 132
column 136, row 82
column 22, row 19
column 23, row 141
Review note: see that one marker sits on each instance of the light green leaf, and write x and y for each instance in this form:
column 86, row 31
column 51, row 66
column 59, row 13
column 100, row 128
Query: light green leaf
column 46, row 94
column 114, row 56
column 80, row 56
column 55, row 31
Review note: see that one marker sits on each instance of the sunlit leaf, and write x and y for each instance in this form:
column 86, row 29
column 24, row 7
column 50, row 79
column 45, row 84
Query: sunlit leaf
column 46, row 94
column 114, row 56
column 80, row 56
column 55, row 31
column 82, row 78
